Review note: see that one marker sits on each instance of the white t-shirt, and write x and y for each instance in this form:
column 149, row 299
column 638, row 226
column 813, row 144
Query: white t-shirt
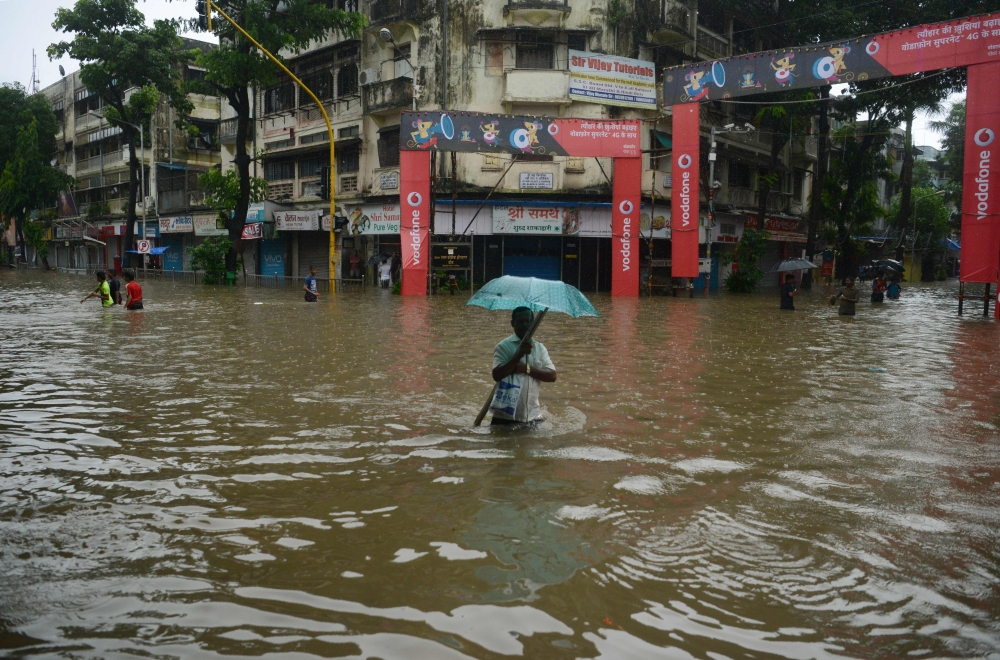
column 385, row 271
column 527, row 409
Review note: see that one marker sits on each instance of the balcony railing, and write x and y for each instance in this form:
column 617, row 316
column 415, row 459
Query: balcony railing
column 227, row 131
column 675, row 16
column 712, row 44
column 110, row 159
column 389, row 95
column 557, row 5
column 744, row 198
column 386, row 11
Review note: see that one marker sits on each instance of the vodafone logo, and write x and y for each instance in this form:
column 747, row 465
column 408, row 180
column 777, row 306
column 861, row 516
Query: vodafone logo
column 625, row 245
column 553, row 129
column 684, row 161
column 626, row 207
column 414, row 198
column 984, row 137
column 872, row 48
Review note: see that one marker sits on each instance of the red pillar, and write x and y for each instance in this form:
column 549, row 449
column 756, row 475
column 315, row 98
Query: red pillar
column 415, row 219
column 684, row 192
column 625, row 227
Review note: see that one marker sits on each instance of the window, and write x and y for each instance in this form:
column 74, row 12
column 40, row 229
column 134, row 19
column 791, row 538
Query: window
column 797, row 185
column 279, row 98
column 314, row 138
column 533, row 158
column 310, row 167
column 739, row 174
column 388, row 147
column 281, row 170
column 349, row 132
column 534, row 56
column 87, row 104
column 321, row 84
column 194, row 74
column 494, row 58
column 577, row 41
column 202, row 135
column 401, row 67
column 348, row 160
column 347, row 5
column 280, row 144
column 347, row 80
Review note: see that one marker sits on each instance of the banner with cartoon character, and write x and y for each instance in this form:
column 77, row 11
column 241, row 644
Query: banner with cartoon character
column 963, row 42
column 512, row 134
column 981, row 190
column 368, row 219
column 685, row 196
column 415, row 220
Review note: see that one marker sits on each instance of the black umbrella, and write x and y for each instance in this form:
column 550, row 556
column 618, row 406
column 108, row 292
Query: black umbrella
column 376, row 259
column 888, row 264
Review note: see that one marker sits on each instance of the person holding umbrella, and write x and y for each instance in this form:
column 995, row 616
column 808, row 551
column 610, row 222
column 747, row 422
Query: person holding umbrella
column 519, row 365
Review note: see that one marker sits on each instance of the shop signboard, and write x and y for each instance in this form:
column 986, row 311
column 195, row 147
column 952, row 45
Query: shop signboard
column 181, row 224
column 371, row 219
column 536, row 181
column 512, row 134
column 253, row 230
column 256, row 213
column 208, row 225
column 551, row 220
column 296, row 220
column 612, row 80
column 451, row 256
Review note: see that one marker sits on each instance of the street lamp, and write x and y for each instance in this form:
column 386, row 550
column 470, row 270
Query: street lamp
column 387, row 37
column 913, row 249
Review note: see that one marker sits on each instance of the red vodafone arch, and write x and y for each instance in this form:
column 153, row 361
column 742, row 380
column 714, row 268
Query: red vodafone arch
column 971, row 42
column 423, row 132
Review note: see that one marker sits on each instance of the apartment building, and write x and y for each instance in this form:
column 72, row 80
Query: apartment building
column 500, row 57
column 88, row 226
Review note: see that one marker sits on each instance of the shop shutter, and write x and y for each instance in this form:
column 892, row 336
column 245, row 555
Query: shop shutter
column 314, row 250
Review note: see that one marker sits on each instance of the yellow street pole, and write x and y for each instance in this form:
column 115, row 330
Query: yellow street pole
column 334, row 257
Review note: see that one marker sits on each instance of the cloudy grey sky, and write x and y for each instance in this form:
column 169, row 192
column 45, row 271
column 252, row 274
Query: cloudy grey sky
column 27, row 25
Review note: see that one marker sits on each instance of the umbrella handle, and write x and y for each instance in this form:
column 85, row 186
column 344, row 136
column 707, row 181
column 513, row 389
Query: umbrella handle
column 527, row 336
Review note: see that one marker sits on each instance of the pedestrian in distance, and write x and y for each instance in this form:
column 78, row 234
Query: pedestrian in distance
column 878, row 289
column 520, row 367
column 312, row 291
column 355, row 265
column 103, row 291
column 397, row 266
column 788, row 292
column 133, row 292
column 385, row 274
column 847, row 297
column 894, row 289
column 115, row 286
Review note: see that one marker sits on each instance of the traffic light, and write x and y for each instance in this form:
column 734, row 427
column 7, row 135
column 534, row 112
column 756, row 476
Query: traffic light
column 324, row 182
column 204, row 15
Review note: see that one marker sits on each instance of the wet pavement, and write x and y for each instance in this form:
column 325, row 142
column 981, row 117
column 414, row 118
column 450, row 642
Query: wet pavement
column 238, row 473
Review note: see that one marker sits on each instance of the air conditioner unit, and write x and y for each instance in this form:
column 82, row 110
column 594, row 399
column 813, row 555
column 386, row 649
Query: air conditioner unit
column 368, row 76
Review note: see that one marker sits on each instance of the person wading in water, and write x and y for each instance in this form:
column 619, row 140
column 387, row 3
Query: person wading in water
column 516, row 399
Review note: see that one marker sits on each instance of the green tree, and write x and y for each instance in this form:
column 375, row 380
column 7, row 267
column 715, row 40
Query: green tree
column 923, row 175
column 952, row 127
column 28, row 181
column 237, row 66
column 931, row 221
column 128, row 64
column 750, row 249
column 34, row 235
column 210, row 256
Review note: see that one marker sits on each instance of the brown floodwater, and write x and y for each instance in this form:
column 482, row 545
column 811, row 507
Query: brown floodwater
column 239, row 473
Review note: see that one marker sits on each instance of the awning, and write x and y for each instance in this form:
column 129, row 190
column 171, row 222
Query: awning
column 954, row 246
column 154, row 251
column 171, row 166
column 665, row 140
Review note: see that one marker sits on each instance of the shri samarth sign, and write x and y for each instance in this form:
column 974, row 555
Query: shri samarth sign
column 536, row 220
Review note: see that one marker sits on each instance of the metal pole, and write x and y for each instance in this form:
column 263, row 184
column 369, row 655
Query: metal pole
column 142, row 174
column 961, row 296
column 472, row 265
column 986, row 302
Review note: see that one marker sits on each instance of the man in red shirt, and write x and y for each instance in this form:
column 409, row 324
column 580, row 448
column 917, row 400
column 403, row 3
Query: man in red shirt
column 133, row 292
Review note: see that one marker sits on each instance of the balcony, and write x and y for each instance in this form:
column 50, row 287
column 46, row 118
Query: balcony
column 108, row 160
column 227, row 131
column 711, row 46
column 381, row 12
column 388, row 96
column 514, row 6
column 675, row 24
column 536, row 86
column 744, row 198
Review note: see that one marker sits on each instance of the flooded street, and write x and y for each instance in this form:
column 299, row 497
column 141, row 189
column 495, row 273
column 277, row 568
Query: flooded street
column 238, row 473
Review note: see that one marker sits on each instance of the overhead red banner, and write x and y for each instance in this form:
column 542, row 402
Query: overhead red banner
column 625, row 227
column 684, row 195
column 981, row 188
column 519, row 134
column 414, row 220
column 964, row 42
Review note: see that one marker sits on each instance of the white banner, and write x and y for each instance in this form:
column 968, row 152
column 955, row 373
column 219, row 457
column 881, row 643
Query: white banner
column 372, row 219
column 296, row 220
column 177, row 225
column 612, row 80
column 536, row 220
column 206, row 225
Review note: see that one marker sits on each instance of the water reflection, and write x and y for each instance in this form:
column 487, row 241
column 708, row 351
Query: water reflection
column 216, row 477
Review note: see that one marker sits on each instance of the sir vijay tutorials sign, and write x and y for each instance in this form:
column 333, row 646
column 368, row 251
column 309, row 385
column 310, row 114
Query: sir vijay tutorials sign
column 612, row 80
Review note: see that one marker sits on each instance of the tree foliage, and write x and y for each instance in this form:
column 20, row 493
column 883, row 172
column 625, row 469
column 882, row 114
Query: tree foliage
column 223, row 190
column 210, row 256
column 952, row 128
column 749, row 251
column 931, row 221
column 128, row 64
column 280, row 26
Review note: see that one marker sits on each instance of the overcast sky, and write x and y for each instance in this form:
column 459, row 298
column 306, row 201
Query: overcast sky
column 28, row 25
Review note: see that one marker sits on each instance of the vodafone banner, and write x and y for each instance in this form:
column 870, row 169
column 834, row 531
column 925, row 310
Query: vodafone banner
column 684, row 196
column 415, row 219
column 625, row 227
column 981, row 188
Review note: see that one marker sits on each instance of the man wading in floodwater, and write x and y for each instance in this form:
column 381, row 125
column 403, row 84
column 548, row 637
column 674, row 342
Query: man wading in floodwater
column 516, row 400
